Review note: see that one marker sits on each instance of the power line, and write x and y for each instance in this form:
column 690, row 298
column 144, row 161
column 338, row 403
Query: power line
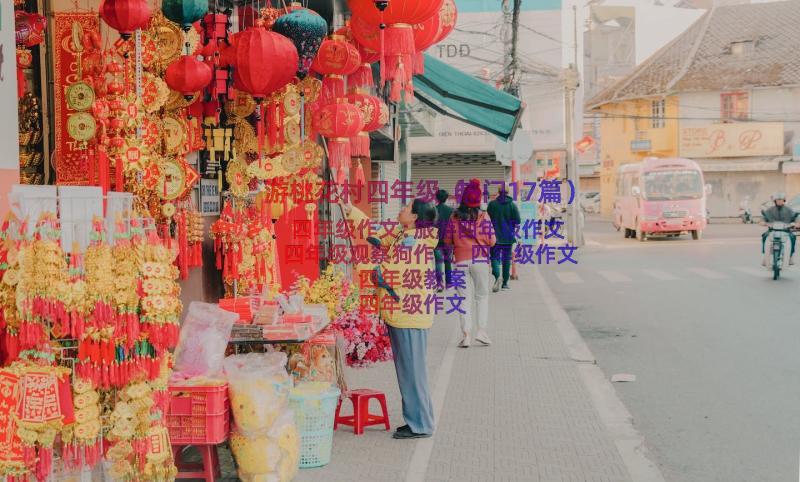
column 611, row 115
column 548, row 37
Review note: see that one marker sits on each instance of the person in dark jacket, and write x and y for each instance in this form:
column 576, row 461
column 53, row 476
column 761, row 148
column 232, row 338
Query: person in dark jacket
column 442, row 253
column 505, row 219
column 782, row 213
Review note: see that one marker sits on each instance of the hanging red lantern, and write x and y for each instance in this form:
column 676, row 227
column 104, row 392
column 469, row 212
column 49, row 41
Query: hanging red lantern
column 448, row 16
column 396, row 47
column 188, row 75
column 338, row 122
column 426, row 33
column 394, row 19
column 375, row 115
column 362, row 77
column 263, row 61
column 336, row 58
column 433, row 31
column 126, row 16
column 399, row 11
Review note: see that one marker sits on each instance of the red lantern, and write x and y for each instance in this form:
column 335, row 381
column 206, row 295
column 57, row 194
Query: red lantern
column 448, row 16
column 375, row 115
column 263, row 61
column 433, row 31
column 335, row 59
column 126, row 16
column 398, row 11
column 396, row 58
column 338, row 122
column 188, row 75
column 362, row 77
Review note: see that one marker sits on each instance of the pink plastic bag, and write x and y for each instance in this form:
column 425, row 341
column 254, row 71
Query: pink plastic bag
column 204, row 337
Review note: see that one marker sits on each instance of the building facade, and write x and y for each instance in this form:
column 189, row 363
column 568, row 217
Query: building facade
column 725, row 93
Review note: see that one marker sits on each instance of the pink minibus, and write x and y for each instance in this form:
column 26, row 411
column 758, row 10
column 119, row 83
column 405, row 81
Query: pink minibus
column 661, row 197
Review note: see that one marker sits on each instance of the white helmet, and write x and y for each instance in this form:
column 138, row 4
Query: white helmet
column 778, row 195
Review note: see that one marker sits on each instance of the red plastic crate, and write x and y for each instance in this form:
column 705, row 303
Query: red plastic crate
column 198, row 415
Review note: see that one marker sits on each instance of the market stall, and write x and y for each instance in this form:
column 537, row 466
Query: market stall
column 163, row 139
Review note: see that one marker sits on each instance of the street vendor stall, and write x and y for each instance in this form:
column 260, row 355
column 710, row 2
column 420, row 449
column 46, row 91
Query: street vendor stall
column 174, row 153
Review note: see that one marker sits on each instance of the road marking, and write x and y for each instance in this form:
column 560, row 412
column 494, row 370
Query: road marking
column 613, row 276
column 752, row 271
column 613, row 413
column 628, row 244
column 568, row 277
column 707, row 273
column 594, row 244
column 660, row 275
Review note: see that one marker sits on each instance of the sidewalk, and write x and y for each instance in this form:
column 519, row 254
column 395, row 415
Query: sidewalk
column 532, row 407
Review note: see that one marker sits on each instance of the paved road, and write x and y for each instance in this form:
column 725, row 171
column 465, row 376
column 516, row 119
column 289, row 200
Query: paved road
column 712, row 340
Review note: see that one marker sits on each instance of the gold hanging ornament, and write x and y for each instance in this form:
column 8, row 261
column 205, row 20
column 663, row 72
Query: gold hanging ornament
column 311, row 88
column 176, row 100
column 292, row 160
column 238, row 178
column 244, row 137
column 174, row 131
column 242, row 106
column 81, row 126
column 155, row 92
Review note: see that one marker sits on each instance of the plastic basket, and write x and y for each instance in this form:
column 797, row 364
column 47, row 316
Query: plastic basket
column 314, row 416
column 198, row 415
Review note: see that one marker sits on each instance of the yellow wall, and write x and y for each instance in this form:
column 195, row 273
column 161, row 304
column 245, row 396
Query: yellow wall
column 619, row 125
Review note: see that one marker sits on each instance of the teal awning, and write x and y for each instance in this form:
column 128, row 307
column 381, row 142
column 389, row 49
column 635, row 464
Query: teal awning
column 454, row 93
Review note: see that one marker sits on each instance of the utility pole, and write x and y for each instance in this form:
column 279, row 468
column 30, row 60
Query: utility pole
column 512, row 86
column 571, row 84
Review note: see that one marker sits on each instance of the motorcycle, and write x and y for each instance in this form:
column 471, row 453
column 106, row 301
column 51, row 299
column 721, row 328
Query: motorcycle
column 744, row 211
column 778, row 242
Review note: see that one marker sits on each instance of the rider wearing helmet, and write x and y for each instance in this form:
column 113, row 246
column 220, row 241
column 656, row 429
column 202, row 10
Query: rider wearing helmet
column 780, row 212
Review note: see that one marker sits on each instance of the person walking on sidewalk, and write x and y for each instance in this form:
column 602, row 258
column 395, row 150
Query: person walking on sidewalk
column 505, row 219
column 472, row 237
column 408, row 330
column 443, row 254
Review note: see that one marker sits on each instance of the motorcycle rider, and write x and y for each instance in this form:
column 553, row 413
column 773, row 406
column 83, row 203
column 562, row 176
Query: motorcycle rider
column 780, row 212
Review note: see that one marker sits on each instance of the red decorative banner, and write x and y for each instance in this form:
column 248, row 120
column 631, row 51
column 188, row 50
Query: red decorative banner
column 39, row 398
column 10, row 444
column 71, row 158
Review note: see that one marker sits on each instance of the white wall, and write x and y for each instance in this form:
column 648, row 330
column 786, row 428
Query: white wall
column 477, row 47
column 9, row 128
column 766, row 105
column 730, row 188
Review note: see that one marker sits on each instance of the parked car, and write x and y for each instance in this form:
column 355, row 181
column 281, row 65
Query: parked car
column 590, row 202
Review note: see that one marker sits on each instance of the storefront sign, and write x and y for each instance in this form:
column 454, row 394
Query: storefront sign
column 209, row 197
column 732, row 140
column 548, row 163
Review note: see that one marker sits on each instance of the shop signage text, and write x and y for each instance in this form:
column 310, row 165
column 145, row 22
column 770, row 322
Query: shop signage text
column 732, row 140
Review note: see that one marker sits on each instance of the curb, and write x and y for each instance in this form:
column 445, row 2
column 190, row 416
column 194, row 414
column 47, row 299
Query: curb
column 615, row 416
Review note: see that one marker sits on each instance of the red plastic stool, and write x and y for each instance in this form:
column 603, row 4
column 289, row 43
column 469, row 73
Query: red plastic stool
column 361, row 417
column 207, row 469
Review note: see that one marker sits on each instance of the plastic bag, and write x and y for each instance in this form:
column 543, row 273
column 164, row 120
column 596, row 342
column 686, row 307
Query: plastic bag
column 258, row 386
column 255, row 455
column 204, row 337
column 284, row 434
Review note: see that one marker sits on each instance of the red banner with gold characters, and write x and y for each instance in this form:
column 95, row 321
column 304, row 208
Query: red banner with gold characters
column 10, row 445
column 71, row 160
